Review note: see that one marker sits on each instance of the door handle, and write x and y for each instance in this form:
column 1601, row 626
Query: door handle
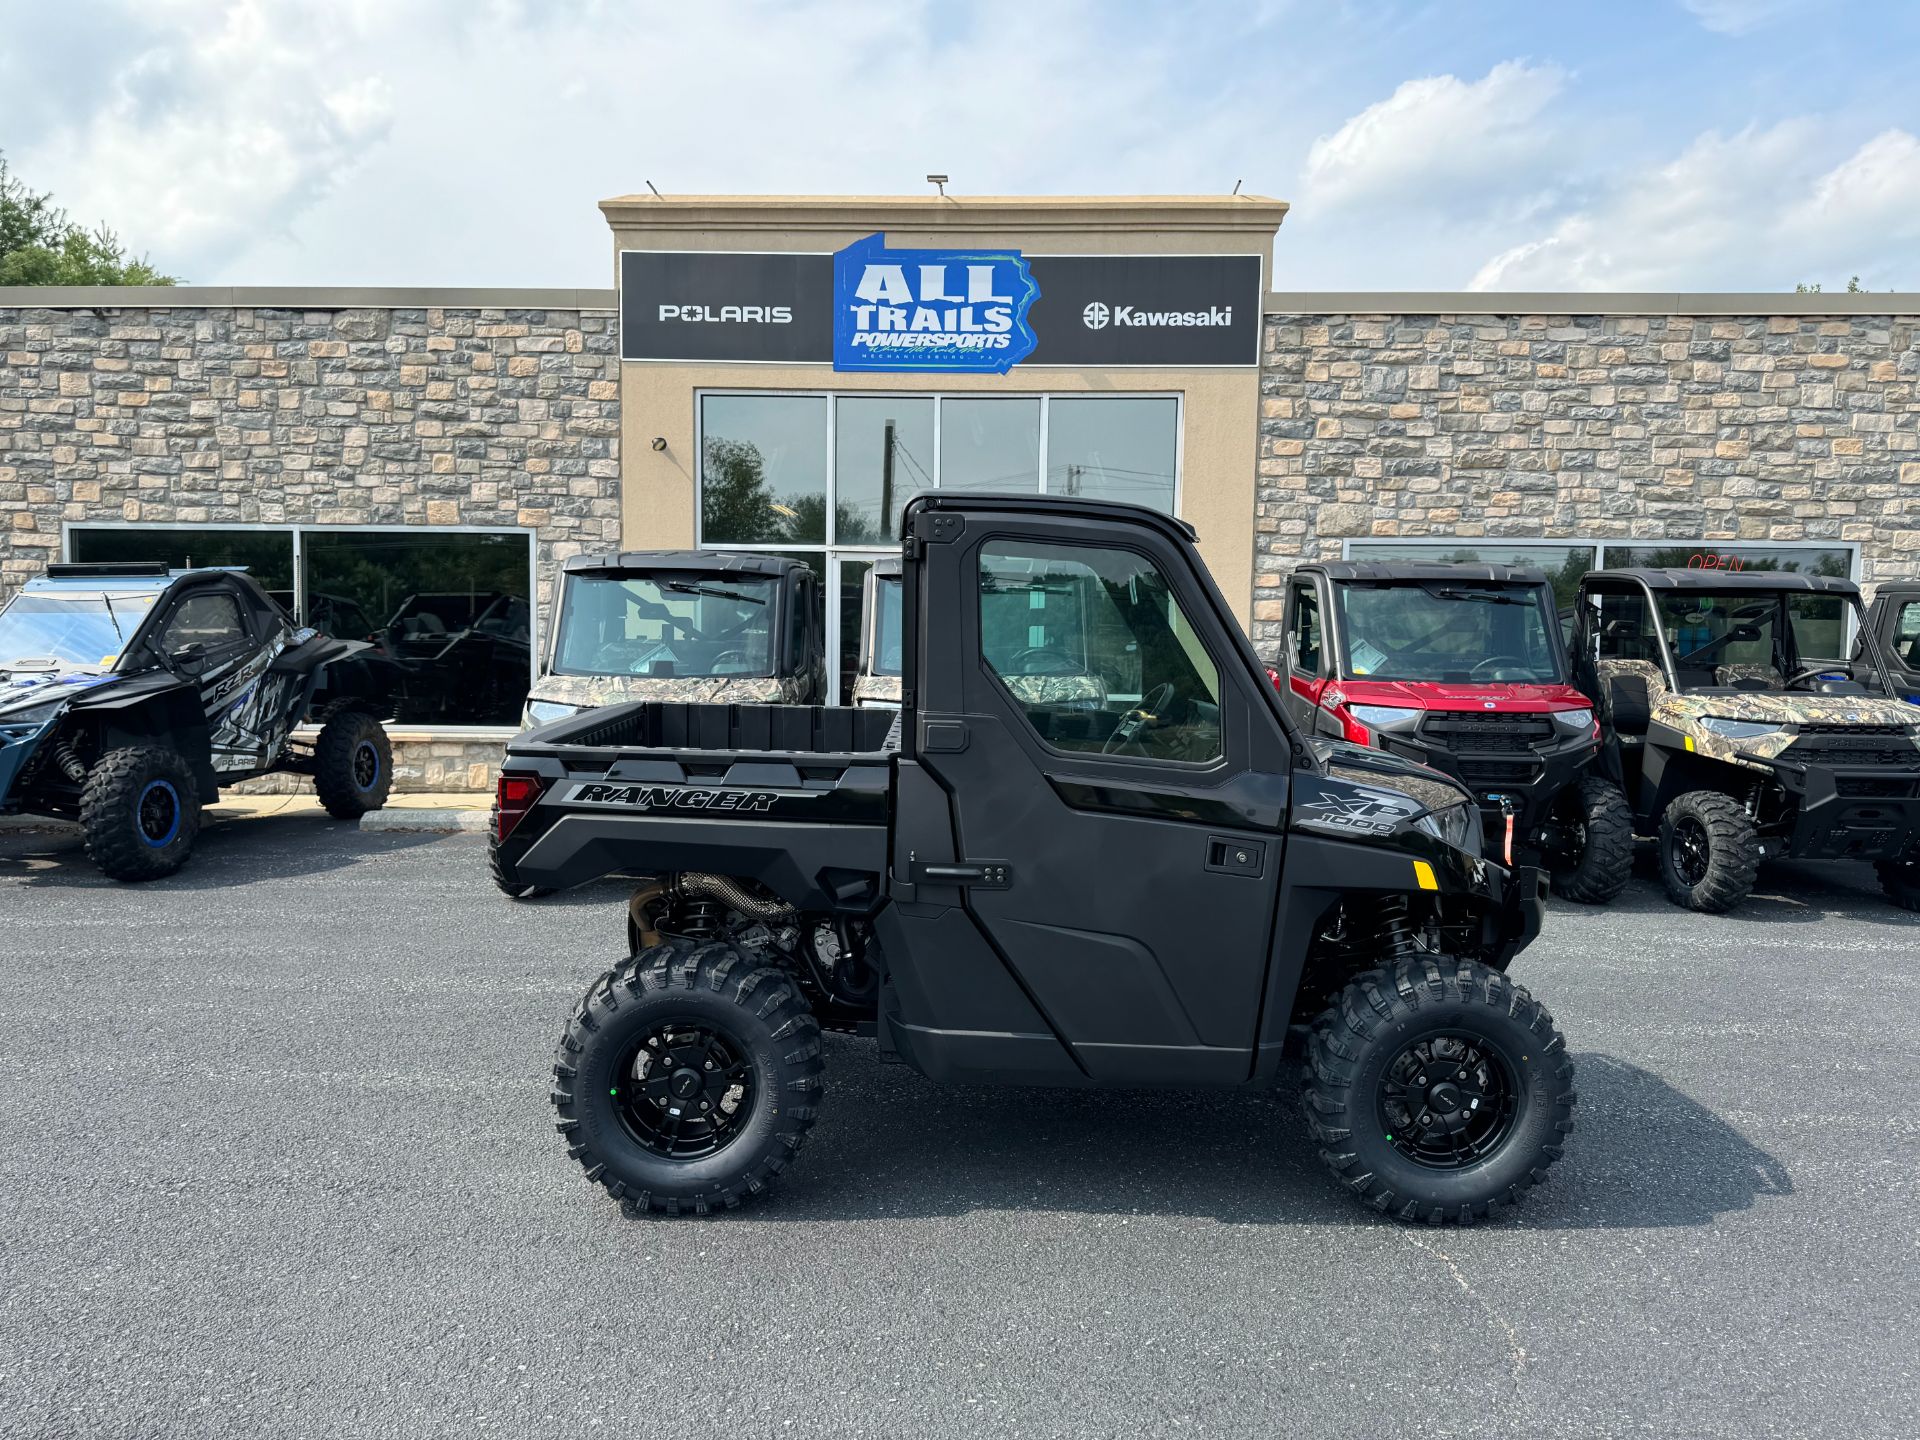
column 1235, row 857
column 977, row 874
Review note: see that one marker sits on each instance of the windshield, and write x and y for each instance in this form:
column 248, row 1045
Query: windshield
column 678, row 624
column 1446, row 630
column 84, row 630
column 886, row 627
column 1742, row 640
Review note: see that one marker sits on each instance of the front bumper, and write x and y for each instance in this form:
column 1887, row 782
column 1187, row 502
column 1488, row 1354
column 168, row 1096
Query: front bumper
column 1844, row 813
column 1528, row 779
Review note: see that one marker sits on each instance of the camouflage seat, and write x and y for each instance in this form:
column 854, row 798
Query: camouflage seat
column 1629, row 689
column 1748, row 677
column 1078, row 690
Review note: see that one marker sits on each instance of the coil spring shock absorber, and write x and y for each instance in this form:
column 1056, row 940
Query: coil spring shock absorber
column 1393, row 930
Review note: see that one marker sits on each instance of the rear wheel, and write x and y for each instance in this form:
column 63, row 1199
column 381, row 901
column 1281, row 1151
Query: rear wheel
column 1438, row 1089
column 352, row 765
column 1900, row 879
column 1709, row 851
column 139, row 812
column 1593, row 825
column 687, row 1079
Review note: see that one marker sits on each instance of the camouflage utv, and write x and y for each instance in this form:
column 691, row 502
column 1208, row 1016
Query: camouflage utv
column 680, row 625
column 1735, row 740
column 878, row 683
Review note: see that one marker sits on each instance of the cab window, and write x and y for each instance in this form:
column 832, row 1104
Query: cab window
column 1906, row 634
column 1097, row 654
column 209, row 619
column 1303, row 636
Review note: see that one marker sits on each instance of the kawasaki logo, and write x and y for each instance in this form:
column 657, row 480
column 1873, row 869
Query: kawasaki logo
column 1098, row 316
column 671, row 797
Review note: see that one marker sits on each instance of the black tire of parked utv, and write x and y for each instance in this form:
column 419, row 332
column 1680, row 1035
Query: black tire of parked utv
column 1732, row 857
column 755, row 1009
column 1604, row 864
column 512, row 889
column 140, row 812
column 352, row 764
column 1355, row 1042
column 1900, row 879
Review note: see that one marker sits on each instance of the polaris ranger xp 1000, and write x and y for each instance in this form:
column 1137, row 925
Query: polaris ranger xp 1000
column 131, row 693
column 1177, row 886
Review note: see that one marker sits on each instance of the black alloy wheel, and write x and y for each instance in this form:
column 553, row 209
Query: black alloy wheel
column 684, row 1089
column 1692, row 850
column 1448, row 1100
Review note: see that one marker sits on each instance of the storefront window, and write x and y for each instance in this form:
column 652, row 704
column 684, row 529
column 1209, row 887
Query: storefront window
column 266, row 554
column 989, row 444
column 1564, row 564
column 882, row 458
column 1810, row 560
column 1113, row 447
column 763, row 469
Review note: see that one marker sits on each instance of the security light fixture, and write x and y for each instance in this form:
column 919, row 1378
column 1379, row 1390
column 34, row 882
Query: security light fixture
column 940, row 181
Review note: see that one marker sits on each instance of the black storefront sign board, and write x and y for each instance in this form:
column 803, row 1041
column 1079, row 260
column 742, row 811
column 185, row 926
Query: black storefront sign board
column 1093, row 311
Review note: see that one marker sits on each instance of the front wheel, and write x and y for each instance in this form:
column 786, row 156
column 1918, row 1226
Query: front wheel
column 1709, row 851
column 1900, row 879
column 1438, row 1089
column 687, row 1078
column 139, row 812
column 352, row 765
column 1593, row 826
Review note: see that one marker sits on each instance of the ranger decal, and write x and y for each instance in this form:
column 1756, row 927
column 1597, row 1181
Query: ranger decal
column 673, row 797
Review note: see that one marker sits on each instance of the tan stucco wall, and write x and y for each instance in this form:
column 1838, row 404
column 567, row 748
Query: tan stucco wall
column 1220, row 410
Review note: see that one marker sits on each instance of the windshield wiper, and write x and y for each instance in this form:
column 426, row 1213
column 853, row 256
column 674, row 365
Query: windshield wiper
column 112, row 619
column 1485, row 597
column 691, row 587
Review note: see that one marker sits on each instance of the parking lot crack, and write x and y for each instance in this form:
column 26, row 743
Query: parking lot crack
column 1516, row 1352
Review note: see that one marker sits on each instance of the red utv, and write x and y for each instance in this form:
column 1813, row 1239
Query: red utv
column 1463, row 668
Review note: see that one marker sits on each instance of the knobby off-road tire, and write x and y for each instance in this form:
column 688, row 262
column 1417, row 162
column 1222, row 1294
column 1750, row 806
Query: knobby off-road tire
column 352, row 764
column 139, row 812
column 1900, row 879
column 690, row 1004
column 1709, row 851
column 1461, row 1030
column 1597, row 812
column 512, row 889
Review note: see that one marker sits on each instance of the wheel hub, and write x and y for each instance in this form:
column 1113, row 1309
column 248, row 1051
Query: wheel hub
column 1448, row 1100
column 684, row 1089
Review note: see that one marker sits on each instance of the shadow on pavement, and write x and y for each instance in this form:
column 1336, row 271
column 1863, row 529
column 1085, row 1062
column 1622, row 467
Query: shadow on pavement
column 893, row 1145
column 232, row 852
column 1793, row 892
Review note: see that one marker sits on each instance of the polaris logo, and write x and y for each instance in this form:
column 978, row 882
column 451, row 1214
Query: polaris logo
column 671, row 797
column 729, row 314
column 1098, row 316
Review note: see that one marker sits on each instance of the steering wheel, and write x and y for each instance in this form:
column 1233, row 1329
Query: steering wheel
column 1814, row 672
column 738, row 657
column 1043, row 660
column 1494, row 662
column 1137, row 719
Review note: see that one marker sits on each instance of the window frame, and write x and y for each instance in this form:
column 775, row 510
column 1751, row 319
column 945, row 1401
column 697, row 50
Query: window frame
column 535, row 648
column 1601, row 560
column 246, row 637
column 831, row 549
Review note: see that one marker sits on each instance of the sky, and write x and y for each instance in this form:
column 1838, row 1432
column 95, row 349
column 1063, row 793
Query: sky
column 1455, row 144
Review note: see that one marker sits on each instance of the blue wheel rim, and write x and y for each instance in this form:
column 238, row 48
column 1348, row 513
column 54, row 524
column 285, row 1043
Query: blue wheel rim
column 366, row 765
column 156, row 814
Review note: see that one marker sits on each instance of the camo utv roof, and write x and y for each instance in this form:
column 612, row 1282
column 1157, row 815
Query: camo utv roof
column 1425, row 570
column 1726, row 580
column 705, row 562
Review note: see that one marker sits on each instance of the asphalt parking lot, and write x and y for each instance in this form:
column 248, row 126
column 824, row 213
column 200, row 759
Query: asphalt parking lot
column 276, row 1160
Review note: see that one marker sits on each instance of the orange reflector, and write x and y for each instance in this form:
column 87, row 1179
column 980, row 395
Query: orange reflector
column 1423, row 873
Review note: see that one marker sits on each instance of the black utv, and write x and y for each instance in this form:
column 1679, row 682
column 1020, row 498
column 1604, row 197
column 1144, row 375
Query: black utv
column 1736, row 740
column 1171, row 886
column 1894, row 621
column 131, row 693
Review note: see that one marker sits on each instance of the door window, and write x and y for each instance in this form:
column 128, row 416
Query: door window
column 210, row 619
column 1097, row 654
column 1906, row 635
column 1303, row 638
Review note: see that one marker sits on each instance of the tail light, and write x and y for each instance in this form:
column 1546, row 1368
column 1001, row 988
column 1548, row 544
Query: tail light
column 513, row 797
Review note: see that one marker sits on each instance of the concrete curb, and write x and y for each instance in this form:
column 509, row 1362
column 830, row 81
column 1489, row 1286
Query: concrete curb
column 474, row 821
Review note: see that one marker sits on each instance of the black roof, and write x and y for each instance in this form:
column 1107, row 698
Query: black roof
column 706, row 562
column 1757, row 580
column 1424, row 570
column 1051, row 505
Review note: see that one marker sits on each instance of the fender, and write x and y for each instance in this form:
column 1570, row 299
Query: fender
column 156, row 706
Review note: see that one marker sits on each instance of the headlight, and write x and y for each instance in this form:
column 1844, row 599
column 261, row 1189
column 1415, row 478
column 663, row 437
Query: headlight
column 1578, row 721
column 545, row 712
column 1739, row 729
column 1457, row 825
column 1381, row 716
column 34, row 717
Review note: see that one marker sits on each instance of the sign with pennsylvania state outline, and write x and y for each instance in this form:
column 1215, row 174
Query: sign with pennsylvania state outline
column 947, row 310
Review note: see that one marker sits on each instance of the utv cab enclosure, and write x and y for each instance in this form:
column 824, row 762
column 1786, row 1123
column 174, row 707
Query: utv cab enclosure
column 1894, row 620
column 131, row 693
column 1175, row 886
column 1735, row 740
column 1464, row 668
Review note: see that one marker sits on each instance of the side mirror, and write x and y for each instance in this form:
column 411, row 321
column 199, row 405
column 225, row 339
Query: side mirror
column 190, row 658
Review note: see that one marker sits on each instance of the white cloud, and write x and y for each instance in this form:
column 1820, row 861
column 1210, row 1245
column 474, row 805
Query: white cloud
column 1761, row 209
column 1438, row 138
column 1739, row 17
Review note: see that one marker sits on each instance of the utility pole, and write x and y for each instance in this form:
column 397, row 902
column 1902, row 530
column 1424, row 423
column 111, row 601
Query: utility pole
column 886, row 480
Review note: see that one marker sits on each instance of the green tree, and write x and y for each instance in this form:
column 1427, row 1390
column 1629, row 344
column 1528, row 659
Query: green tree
column 1854, row 287
column 39, row 245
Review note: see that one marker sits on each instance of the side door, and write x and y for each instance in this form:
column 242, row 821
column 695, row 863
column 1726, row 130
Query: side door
column 1309, row 664
column 1898, row 630
column 1117, row 784
column 207, row 637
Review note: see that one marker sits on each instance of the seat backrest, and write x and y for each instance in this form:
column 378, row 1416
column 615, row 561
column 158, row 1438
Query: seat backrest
column 1748, row 677
column 1629, row 690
